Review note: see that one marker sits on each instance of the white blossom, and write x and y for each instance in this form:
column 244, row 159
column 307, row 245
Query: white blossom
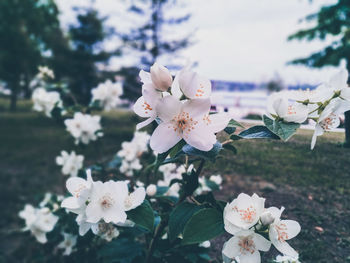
column 45, row 101
column 329, row 119
column 105, row 231
column 279, row 107
column 45, row 72
column 243, row 212
column 151, row 190
column 205, row 244
column 191, row 84
column 245, row 246
column 145, row 106
column 282, row 230
column 68, row 243
column 39, row 221
column 131, row 153
column 187, row 120
column 161, row 77
column 108, row 94
column 84, row 127
column 71, row 163
column 337, row 85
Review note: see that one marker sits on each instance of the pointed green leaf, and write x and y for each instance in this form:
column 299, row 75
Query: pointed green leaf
column 284, row 130
column 204, row 225
column 142, row 215
column 179, row 217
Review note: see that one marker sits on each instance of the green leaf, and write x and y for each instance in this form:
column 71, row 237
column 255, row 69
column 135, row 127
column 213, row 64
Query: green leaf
column 210, row 155
column 120, row 250
column 204, row 225
column 179, row 217
column 190, row 183
column 284, row 130
column 177, row 149
column 258, row 132
column 230, row 147
column 233, row 123
column 143, row 215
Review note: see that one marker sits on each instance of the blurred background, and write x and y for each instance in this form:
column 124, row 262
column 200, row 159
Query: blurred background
column 247, row 48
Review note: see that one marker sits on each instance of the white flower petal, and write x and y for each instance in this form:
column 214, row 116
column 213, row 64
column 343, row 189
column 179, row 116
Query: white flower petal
column 144, row 123
column 168, row 107
column 136, row 198
column 285, row 248
column 193, row 85
column 250, row 257
column 231, row 248
column 164, row 137
column 197, row 109
column 339, row 80
column 293, row 228
column 261, row 243
column 200, row 137
column 219, row 121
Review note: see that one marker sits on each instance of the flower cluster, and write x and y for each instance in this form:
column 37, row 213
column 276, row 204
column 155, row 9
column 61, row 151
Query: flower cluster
column 84, row 127
column 45, row 101
column 209, row 184
column 246, row 219
column 108, row 94
column 182, row 107
column 39, row 221
column 70, row 162
column 45, row 72
column 95, row 202
column 131, row 153
column 324, row 105
column 68, row 243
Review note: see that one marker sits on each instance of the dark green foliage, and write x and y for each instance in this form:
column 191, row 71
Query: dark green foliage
column 179, row 217
column 28, row 29
column 79, row 61
column 204, row 225
column 143, row 216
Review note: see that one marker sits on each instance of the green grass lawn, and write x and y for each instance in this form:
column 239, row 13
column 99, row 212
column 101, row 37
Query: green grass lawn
column 314, row 186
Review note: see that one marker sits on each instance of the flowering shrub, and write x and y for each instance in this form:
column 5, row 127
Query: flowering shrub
column 156, row 205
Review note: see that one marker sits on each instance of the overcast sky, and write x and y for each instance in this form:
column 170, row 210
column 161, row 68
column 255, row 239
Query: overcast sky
column 238, row 40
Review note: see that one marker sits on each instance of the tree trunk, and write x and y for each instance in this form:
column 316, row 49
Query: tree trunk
column 14, row 93
column 347, row 128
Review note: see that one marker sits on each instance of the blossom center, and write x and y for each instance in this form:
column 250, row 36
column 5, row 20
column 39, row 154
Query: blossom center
column 106, row 201
column 200, row 91
column 183, row 123
column 146, row 107
column 128, row 202
column 291, row 110
column 246, row 245
column 247, row 215
column 78, row 190
column 329, row 122
column 282, row 234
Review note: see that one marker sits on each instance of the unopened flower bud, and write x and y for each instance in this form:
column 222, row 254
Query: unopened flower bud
column 151, row 190
column 161, row 77
column 267, row 218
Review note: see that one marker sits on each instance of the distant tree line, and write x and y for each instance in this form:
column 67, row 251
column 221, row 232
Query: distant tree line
column 31, row 35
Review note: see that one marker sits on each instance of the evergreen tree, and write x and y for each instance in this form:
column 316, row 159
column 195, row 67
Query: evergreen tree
column 331, row 20
column 84, row 63
column 26, row 32
column 158, row 36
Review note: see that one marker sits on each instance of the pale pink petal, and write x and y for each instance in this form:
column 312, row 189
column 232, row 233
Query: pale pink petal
column 168, row 107
column 164, row 137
